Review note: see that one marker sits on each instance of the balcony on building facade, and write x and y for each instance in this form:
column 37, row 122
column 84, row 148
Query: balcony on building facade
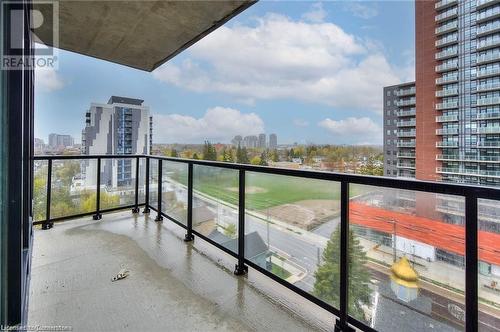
column 406, row 144
column 488, row 101
column 488, row 14
column 488, row 43
column 446, row 66
column 447, row 79
column 484, row 87
column 447, row 53
column 468, row 171
column 405, row 92
column 447, row 105
column 442, row 4
column 488, row 115
column 404, row 113
column 408, row 123
column 488, row 57
column 447, row 92
column 450, row 13
column 485, row 3
column 488, row 130
column 447, row 144
column 405, row 102
column 447, row 118
column 410, row 155
column 448, row 40
column 406, row 165
column 488, row 144
column 456, row 157
column 487, row 28
column 488, row 72
column 447, row 131
column 406, row 133
column 448, row 27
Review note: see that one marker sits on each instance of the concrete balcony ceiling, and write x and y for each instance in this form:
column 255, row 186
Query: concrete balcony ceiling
column 138, row 34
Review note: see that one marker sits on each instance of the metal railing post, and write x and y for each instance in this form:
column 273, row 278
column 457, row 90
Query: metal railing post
column 146, row 183
column 136, row 202
column 47, row 224
column 341, row 323
column 160, row 166
column 471, row 263
column 241, row 268
column 189, row 235
column 98, row 215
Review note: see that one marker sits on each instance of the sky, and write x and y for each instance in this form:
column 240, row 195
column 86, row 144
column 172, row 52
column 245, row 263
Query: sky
column 311, row 72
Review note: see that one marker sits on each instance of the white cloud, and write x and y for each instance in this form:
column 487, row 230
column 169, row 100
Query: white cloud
column 361, row 10
column 279, row 58
column 316, row 14
column 48, row 80
column 300, row 123
column 355, row 130
column 218, row 124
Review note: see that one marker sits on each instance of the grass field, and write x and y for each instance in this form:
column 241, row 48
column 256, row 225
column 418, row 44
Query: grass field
column 276, row 189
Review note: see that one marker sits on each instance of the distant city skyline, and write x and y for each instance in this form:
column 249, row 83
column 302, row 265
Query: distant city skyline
column 325, row 89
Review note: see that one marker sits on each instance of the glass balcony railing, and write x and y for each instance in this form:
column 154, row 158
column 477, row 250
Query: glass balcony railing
column 447, row 118
column 445, row 3
column 488, row 86
column 410, row 112
column 488, row 57
column 488, row 72
column 310, row 231
column 411, row 123
column 447, row 144
column 468, row 158
column 446, row 15
column 488, row 101
column 447, row 66
column 488, row 115
column 405, row 102
column 487, row 28
column 406, row 92
column 488, row 144
column 406, row 155
column 465, row 171
column 405, row 144
column 447, row 131
column 484, row 3
column 447, row 79
column 447, row 105
column 489, row 42
column 487, row 14
column 447, row 54
column 409, row 133
column 447, row 41
column 448, row 27
column 488, row 130
column 447, row 92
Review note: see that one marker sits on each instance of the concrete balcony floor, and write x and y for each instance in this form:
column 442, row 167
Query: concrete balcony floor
column 172, row 286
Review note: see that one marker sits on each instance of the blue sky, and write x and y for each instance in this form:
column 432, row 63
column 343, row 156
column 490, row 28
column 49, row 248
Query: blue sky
column 307, row 71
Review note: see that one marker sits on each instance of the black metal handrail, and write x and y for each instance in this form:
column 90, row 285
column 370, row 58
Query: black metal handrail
column 470, row 192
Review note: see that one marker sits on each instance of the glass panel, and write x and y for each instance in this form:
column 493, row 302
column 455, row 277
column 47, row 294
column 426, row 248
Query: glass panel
column 489, row 264
column 73, row 187
column 142, row 180
column 117, row 182
column 406, row 260
column 292, row 231
column 153, row 183
column 40, row 168
column 174, row 190
column 215, row 209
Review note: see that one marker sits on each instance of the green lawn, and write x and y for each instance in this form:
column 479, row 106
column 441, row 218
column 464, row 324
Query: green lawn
column 273, row 189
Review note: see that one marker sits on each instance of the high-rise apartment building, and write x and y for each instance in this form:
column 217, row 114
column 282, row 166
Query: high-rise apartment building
column 60, row 141
column 457, row 81
column 399, row 130
column 122, row 126
column 273, row 141
column 262, row 141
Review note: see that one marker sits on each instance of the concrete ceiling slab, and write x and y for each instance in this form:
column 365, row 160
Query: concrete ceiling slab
column 141, row 34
